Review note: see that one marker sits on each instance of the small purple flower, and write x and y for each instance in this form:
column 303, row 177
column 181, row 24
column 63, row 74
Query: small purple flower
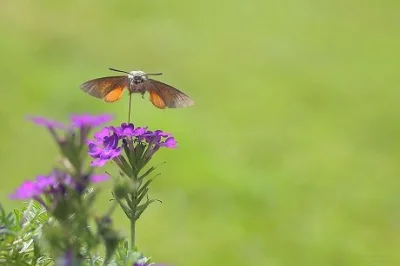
column 81, row 185
column 55, row 183
column 148, row 136
column 129, row 130
column 155, row 137
column 104, row 132
column 62, row 181
column 98, row 178
column 87, row 120
column 161, row 133
column 169, row 143
column 160, row 139
column 52, row 183
column 43, row 182
column 105, row 145
column 28, row 190
column 105, row 150
column 41, row 121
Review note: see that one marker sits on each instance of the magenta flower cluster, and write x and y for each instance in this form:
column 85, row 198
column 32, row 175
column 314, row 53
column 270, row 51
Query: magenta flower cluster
column 65, row 194
column 59, row 180
column 109, row 141
column 76, row 121
column 54, row 183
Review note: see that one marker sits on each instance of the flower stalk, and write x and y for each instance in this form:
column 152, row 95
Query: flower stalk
column 131, row 148
column 66, row 196
column 65, row 193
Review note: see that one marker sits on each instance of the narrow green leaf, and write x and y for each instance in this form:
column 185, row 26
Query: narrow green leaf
column 141, row 196
column 124, row 165
column 126, row 209
column 130, row 154
column 149, row 171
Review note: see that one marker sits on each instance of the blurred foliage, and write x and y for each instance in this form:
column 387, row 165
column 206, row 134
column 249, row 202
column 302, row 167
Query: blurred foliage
column 20, row 235
column 290, row 155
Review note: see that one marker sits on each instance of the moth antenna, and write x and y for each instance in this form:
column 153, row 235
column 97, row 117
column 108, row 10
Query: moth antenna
column 117, row 70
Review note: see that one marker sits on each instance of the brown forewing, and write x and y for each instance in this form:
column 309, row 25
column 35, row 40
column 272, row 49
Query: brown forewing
column 173, row 98
column 100, row 87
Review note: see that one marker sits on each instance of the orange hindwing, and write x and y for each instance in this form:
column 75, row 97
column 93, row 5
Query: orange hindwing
column 114, row 95
column 156, row 100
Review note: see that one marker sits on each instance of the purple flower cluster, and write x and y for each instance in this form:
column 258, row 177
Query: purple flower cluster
column 51, row 184
column 77, row 121
column 81, row 124
column 41, row 121
column 109, row 141
column 85, row 120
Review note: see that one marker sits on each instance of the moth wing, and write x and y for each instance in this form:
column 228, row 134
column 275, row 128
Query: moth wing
column 114, row 95
column 165, row 95
column 156, row 100
column 101, row 87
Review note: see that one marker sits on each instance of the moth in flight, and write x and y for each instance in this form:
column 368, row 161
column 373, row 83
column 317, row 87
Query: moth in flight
column 162, row 95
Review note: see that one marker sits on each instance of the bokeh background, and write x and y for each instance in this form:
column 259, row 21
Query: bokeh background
column 290, row 155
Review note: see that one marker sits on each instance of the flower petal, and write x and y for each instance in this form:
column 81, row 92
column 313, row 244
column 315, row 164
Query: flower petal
column 26, row 190
column 41, row 121
column 100, row 135
column 169, row 143
column 98, row 162
column 43, row 182
column 99, row 178
column 90, row 120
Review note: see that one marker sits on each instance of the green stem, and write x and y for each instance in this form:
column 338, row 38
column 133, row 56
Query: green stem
column 130, row 106
column 133, row 220
column 133, row 233
column 134, row 202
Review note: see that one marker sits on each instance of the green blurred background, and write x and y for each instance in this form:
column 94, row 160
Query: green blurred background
column 290, row 155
